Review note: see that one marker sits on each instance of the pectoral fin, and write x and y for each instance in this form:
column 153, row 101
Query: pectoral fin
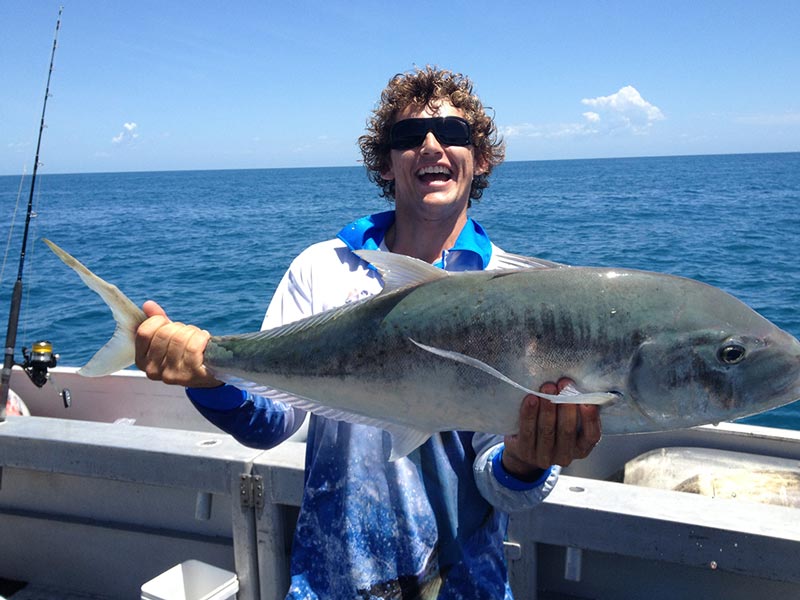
column 572, row 395
column 569, row 395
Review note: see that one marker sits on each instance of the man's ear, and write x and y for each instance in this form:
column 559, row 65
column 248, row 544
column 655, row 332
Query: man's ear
column 388, row 173
column 481, row 164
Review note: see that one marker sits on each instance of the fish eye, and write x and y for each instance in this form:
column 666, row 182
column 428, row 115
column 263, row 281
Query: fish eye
column 731, row 354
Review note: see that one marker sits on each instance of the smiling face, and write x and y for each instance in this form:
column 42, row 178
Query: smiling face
column 432, row 180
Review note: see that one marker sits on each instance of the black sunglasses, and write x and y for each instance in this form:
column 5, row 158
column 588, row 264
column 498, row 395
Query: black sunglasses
column 410, row 133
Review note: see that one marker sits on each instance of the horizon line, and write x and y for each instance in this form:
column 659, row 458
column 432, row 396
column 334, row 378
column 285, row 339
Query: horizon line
column 194, row 170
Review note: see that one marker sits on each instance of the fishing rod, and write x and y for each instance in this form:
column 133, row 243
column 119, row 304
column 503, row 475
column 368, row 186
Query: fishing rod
column 41, row 358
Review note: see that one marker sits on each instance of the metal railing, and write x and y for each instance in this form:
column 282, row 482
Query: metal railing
column 103, row 507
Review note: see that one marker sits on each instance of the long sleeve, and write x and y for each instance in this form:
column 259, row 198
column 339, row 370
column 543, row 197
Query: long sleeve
column 253, row 420
column 501, row 489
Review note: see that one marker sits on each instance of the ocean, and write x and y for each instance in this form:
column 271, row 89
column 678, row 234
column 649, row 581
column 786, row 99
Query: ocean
column 211, row 246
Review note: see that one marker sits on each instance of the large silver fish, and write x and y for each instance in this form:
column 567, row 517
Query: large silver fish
column 438, row 351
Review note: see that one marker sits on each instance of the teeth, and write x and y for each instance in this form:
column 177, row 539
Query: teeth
column 434, row 169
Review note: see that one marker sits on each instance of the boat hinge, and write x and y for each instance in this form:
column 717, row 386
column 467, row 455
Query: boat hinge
column 251, row 491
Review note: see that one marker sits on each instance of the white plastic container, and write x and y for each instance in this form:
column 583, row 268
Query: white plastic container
column 192, row 580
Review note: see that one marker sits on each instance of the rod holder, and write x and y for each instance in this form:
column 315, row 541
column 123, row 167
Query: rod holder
column 573, row 564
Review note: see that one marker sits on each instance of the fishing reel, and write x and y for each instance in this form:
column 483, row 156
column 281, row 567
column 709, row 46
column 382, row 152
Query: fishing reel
column 36, row 365
column 38, row 361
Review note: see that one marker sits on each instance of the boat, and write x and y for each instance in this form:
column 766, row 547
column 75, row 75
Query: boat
column 99, row 498
column 104, row 495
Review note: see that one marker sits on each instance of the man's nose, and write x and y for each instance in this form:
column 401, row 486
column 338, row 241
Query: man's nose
column 431, row 144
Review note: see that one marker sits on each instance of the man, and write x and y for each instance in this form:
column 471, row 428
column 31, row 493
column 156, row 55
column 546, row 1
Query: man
column 431, row 524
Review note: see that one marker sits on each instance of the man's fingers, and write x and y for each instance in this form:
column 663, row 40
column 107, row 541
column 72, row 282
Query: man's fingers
column 180, row 358
column 153, row 340
column 563, row 452
column 549, row 388
column 172, row 352
column 152, row 308
column 551, row 433
column 196, row 347
column 562, row 383
column 591, row 430
column 565, row 431
column 546, row 427
column 528, row 417
column 145, row 335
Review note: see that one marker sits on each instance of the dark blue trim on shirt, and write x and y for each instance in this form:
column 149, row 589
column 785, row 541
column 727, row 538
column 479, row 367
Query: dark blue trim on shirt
column 473, row 241
column 511, row 482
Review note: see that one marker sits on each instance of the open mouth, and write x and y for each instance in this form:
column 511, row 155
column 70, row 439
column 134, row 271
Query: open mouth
column 434, row 173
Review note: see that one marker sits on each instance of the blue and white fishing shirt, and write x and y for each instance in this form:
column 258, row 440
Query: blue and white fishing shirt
column 429, row 525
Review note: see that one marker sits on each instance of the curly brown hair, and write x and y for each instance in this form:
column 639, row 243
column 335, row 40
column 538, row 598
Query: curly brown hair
column 427, row 88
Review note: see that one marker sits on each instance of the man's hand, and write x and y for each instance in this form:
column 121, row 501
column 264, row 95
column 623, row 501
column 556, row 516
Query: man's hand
column 550, row 434
column 172, row 352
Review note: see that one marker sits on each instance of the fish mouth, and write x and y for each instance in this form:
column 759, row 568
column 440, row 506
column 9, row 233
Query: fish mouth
column 777, row 366
column 789, row 368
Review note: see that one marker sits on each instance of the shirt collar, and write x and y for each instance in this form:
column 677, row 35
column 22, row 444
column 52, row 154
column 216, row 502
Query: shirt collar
column 367, row 233
column 472, row 250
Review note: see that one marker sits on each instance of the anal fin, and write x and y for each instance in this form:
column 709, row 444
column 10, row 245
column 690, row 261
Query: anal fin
column 405, row 440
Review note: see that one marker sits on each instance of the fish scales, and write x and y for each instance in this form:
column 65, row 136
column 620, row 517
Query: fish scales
column 366, row 352
column 533, row 326
column 437, row 351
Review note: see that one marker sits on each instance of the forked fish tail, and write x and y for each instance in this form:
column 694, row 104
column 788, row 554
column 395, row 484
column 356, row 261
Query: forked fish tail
column 120, row 351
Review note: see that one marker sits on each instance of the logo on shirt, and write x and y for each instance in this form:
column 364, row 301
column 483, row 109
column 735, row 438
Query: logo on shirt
column 356, row 295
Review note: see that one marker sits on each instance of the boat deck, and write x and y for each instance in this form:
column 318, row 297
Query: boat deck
column 100, row 508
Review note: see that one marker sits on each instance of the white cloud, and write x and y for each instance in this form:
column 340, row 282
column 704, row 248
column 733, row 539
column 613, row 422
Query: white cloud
column 547, row 131
column 624, row 110
column 127, row 134
column 787, row 118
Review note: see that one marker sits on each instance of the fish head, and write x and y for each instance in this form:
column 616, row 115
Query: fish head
column 683, row 379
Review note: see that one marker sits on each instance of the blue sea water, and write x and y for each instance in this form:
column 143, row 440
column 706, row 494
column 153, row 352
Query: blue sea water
column 211, row 246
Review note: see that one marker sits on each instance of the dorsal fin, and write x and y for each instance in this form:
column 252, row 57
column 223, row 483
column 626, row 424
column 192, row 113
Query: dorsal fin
column 295, row 326
column 399, row 271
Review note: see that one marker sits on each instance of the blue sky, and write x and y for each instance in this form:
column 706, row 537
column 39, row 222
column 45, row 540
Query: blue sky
column 158, row 85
